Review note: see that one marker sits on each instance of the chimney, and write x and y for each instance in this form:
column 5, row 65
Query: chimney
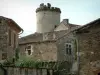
column 66, row 21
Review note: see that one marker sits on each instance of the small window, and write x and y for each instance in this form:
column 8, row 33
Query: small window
column 29, row 50
column 68, row 48
column 4, row 56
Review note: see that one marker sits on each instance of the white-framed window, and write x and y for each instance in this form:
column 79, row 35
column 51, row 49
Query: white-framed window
column 68, row 48
column 29, row 49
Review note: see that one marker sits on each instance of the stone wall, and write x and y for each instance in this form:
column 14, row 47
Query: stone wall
column 62, row 56
column 3, row 38
column 71, row 67
column 27, row 71
column 47, row 20
column 89, row 50
column 7, row 50
column 44, row 51
column 14, row 43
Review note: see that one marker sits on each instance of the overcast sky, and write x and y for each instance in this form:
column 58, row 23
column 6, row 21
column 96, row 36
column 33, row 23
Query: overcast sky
column 23, row 11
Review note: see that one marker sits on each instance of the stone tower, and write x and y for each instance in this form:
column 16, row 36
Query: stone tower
column 47, row 18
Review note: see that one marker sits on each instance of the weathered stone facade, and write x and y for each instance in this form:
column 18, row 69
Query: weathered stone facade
column 51, row 47
column 84, row 59
column 63, row 54
column 88, row 46
column 8, row 38
column 43, row 45
column 45, row 42
column 42, row 51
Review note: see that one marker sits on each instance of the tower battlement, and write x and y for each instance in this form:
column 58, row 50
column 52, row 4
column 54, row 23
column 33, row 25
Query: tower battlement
column 47, row 7
column 47, row 18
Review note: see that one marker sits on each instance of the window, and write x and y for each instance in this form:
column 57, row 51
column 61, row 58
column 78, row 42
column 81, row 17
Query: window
column 29, row 50
column 68, row 48
column 9, row 37
column 4, row 56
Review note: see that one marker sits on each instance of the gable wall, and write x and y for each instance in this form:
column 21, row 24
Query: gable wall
column 4, row 40
column 61, row 27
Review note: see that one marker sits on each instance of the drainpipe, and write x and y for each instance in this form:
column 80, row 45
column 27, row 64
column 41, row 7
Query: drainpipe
column 77, row 45
column 77, row 49
column 21, row 31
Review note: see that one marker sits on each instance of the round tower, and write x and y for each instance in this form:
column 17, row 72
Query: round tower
column 47, row 18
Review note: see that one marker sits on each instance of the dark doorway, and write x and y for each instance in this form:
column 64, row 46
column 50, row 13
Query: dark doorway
column 98, row 73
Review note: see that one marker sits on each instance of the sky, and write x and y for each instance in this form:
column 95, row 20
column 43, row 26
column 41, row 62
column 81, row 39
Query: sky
column 23, row 11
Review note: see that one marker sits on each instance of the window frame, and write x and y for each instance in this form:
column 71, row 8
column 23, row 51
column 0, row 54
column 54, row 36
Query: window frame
column 29, row 49
column 68, row 48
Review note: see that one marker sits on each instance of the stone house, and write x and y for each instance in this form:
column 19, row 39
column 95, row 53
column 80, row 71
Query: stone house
column 9, row 32
column 88, row 38
column 42, row 46
column 80, row 47
column 77, row 45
